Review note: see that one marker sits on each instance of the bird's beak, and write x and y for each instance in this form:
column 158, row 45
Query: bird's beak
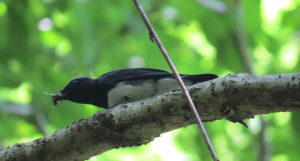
column 58, row 97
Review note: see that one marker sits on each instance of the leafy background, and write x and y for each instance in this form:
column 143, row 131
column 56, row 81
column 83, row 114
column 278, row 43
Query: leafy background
column 45, row 44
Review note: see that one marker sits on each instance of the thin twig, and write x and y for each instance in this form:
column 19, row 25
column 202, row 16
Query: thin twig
column 182, row 86
column 217, row 6
column 265, row 145
column 41, row 121
column 242, row 39
column 242, row 44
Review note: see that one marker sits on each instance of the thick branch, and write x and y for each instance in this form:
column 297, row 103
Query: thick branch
column 234, row 97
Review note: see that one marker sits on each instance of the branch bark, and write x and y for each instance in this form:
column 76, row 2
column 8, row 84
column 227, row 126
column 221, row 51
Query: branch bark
column 234, row 97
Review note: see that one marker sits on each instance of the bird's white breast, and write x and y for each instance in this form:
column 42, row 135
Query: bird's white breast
column 141, row 90
column 133, row 93
column 169, row 84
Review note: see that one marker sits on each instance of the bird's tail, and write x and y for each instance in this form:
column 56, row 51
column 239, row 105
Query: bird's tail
column 200, row 78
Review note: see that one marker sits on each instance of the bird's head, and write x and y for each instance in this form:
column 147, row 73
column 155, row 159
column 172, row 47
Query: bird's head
column 76, row 91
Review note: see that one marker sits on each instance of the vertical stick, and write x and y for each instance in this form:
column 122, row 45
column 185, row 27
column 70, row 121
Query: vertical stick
column 154, row 37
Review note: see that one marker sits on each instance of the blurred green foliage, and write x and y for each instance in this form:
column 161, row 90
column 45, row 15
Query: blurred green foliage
column 45, row 44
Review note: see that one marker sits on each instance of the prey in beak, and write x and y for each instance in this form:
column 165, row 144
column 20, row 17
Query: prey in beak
column 56, row 97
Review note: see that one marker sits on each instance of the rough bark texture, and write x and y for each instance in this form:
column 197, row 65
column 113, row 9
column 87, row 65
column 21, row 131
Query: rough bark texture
column 234, row 97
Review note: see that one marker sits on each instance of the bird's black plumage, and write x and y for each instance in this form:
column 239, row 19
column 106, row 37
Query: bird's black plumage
column 123, row 86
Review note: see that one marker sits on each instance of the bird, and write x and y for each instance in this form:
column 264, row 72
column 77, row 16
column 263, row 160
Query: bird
column 124, row 86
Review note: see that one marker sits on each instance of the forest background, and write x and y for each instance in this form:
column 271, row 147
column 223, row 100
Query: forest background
column 45, row 44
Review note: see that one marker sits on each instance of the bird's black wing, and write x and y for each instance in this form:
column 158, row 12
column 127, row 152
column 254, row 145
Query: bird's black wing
column 133, row 74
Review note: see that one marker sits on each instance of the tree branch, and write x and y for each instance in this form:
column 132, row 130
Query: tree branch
column 234, row 97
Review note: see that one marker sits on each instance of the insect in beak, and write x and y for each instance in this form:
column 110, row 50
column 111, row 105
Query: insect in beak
column 56, row 97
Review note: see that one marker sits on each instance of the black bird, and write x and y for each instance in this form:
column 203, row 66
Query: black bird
column 124, row 86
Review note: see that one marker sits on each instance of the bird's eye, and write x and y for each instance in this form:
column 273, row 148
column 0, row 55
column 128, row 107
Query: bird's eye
column 73, row 83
